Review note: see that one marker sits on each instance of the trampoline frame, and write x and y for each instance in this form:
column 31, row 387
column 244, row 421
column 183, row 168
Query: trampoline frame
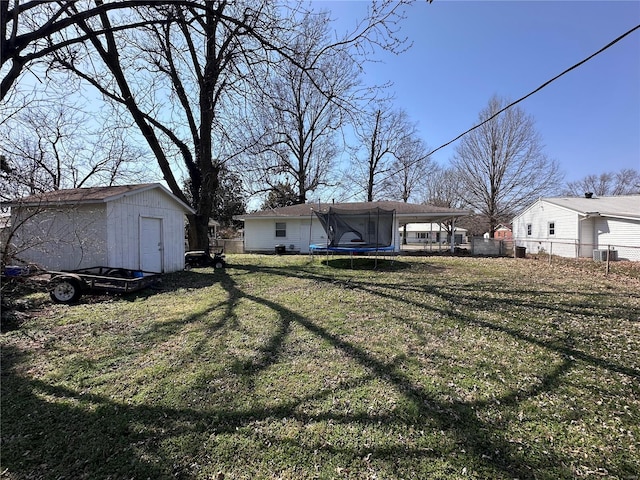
column 351, row 250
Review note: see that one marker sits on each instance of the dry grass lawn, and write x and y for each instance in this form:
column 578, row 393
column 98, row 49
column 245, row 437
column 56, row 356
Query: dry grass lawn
column 286, row 367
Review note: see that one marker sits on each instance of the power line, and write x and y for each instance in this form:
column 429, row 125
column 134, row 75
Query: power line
column 613, row 42
column 545, row 84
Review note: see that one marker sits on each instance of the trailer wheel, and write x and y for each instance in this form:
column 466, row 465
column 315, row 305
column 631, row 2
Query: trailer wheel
column 65, row 290
column 219, row 264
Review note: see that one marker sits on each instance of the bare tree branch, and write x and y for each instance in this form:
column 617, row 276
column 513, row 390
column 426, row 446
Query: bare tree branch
column 501, row 166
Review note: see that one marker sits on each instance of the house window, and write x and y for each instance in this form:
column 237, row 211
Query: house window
column 528, row 229
column 552, row 228
column 281, row 229
column 422, row 234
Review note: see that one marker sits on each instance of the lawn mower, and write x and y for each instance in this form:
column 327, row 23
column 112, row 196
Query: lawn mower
column 203, row 258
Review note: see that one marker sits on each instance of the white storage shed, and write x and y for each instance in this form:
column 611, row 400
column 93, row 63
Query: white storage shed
column 136, row 227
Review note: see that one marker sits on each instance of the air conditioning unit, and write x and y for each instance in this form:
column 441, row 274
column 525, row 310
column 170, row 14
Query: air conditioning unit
column 600, row 255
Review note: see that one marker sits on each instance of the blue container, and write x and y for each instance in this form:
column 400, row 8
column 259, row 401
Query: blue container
column 16, row 270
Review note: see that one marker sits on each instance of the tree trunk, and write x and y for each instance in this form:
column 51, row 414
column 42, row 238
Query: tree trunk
column 204, row 196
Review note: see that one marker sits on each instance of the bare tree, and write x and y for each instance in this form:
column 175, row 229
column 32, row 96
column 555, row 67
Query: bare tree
column 176, row 64
column 442, row 188
column 301, row 110
column 382, row 134
column 49, row 147
column 502, row 166
column 32, row 30
column 409, row 171
column 624, row 182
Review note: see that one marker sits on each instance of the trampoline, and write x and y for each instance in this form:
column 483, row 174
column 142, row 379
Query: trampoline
column 352, row 232
column 351, row 250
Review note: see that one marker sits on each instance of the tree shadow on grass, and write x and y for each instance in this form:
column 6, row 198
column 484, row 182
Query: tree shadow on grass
column 473, row 298
column 53, row 431
column 474, row 304
column 366, row 263
column 481, row 441
column 484, row 296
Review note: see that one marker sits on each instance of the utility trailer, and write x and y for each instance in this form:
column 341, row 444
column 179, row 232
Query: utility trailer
column 68, row 286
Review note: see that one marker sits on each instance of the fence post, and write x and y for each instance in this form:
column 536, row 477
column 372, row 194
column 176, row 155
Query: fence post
column 607, row 267
column 550, row 252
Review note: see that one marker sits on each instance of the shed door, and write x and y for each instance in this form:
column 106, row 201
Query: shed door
column 151, row 244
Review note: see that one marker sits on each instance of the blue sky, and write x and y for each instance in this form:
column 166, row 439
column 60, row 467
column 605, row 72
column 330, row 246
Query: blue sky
column 464, row 52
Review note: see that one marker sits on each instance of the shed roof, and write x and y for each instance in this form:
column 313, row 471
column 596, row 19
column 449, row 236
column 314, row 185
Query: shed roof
column 626, row 206
column 405, row 212
column 75, row 196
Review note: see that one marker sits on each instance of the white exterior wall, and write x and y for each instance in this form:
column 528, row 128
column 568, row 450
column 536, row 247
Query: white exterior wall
column 622, row 235
column 575, row 234
column 567, row 228
column 432, row 232
column 260, row 234
column 63, row 238
column 71, row 237
column 123, row 232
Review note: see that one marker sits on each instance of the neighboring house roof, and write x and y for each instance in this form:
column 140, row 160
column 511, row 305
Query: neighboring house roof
column 405, row 212
column 627, row 206
column 90, row 195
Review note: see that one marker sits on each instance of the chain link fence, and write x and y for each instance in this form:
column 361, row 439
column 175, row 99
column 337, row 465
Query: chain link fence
column 569, row 249
column 607, row 255
column 574, row 249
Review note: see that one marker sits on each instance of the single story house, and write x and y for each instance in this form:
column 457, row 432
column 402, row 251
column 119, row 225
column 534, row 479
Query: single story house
column 137, row 227
column 503, row 232
column 576, row 226
column 432, row 233
column 296, row 227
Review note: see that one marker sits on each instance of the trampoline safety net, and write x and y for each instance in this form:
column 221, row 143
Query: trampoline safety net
column 370, row 228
